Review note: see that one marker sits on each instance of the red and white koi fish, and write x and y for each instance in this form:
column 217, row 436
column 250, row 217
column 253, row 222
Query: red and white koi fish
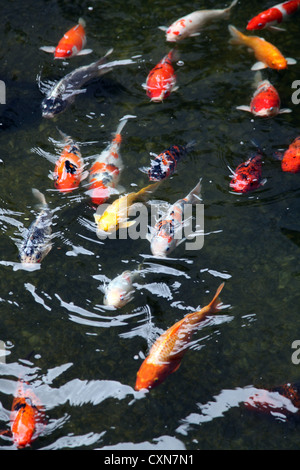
column 290, row 161
column 284, row 400
column 191, row 24
column 68, row 171
column 248, row 175
column 167, row 352
column 265, row 101
column 274, row 15
column 106, row 169
column 162, row 79
column 27, row 418
column 167, row 232
column 71, row 44
column 266, row 53
column 120, row 289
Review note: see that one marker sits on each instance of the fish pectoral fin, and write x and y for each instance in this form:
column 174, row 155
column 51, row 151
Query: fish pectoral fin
column 194, row 34
column 291, row 61
column 84, row 175
column 244, row 108
column 144, row 169
column 175, row 88
column 275, row 28
column 259, row 66
column 49, row 49
column 285, row 110
column 163, row 28
column 85, row 51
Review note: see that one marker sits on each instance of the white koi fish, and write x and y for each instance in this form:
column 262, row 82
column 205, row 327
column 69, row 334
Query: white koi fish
column 120, row 290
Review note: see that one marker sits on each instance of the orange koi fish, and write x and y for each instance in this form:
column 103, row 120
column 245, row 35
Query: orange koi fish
column 162, row 79
column 166, row 353
column 105, row 171
column 290, row 161
column 274, row 15
column 27, row 418
column 71, row 44
column 267, row 54
column 265, row 101
column 68, row 171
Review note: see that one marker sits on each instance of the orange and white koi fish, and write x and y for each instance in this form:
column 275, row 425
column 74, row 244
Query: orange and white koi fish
column 167, row 232
column 68, row 171
column 265, row 101
column 191, row 24
column 248, row 175
column 162, row 79
column 106, row 169
column 274, row 15
column 167, row 352
column 71, row 44
column 267, row 54
column 27, row 418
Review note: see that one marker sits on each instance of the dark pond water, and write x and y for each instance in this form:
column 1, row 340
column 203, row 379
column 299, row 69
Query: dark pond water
column 80, row 357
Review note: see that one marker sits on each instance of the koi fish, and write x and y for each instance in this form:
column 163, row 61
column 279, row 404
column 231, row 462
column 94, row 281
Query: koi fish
column 265, row 101
column 284, row 399
column 191, row 24
column 267, row 54
column 162, row 79
column 165, row 163
column 274, row 15
column 27, row 418
column 290, row 161
column 37, row 243
column 167, row 352
column 68, row 171
column 106, row 169
column 247, row 175
column 120, row 290
column 116, row 215
column 71, row 44
column 167, row 232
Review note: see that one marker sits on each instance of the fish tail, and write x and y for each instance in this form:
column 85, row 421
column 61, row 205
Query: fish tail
column 190, row 145
column 236, row 36
column 228, row 9
column 123, row 122
column 194, row 195
column 214, row 305
column 144, row 192
column 173, row 55
column 82, row 22
column 40, row 196
column 65, row 137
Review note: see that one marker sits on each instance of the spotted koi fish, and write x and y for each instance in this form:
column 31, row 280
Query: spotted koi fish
column 290, row 161
column 284, row 400
column 167, row 232
column 266, row 53
column 168, row 350
column 71, row 44
column 162, row 79
column 274, row 15
column 248, row 175
column 165, row 163
column 191, row 24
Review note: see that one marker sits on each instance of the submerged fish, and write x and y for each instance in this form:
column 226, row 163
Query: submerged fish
column 71, row 44
column 37, row 243
column 284, row 400
column 120, row 290
column 116, row 215
column 106, row 169
column 165, row 163
column 162, row 79
column 266, row 53
column 191, row 24
column 68, row 171
column 167, row 232
column 248, row 175
column 290, row 161
column 167, row 352
column 274, row 15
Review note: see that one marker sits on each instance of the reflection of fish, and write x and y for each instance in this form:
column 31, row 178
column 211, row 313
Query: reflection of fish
column 162, row 79
column 274, row 15
column 71, row 44
column 291, row 158
column 166, row 353
column 37, row 243
column 167, row 232
column 106, row 169
column 27, row 416
column 116, row 214
column 68, row 171
column 266, row 53
column 191, row 24
column 120, row 290
column 247, row 175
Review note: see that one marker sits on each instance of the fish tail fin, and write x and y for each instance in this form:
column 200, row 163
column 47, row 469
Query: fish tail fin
column 214, row 305
column 40, row 196
column 228, row 9
column 66, row 138
column 236, row 36
column 173, row 55
column 144, row 192
column 123, row 122
column 191, row 145
column 257, row 78
column 82, row 22
column 194, row 195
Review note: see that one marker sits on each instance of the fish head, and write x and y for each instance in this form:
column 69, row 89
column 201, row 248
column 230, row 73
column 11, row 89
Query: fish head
column 152, row 374
column 255, row 23
column 116, row 297
column 65, row 51
column 158, row 95
column 176, row 31
column 99, row 193
column 30, row 256
column 52, row 106
column 23, row 422
column 279, row 63
column 161, row 246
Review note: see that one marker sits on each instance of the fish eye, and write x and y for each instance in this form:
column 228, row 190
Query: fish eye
column 260, row 25
column 69, row 52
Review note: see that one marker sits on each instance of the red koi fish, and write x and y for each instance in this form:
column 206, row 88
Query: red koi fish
column 162, row 79
column 274, row 15
column 165, row 163
column 27, row 418
column 167, row 352
column 68, row 171
column 106, row 170
column 247, row 175
column 71, row 44
column 290, row 162
column 265, row 101
column 284, row 400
